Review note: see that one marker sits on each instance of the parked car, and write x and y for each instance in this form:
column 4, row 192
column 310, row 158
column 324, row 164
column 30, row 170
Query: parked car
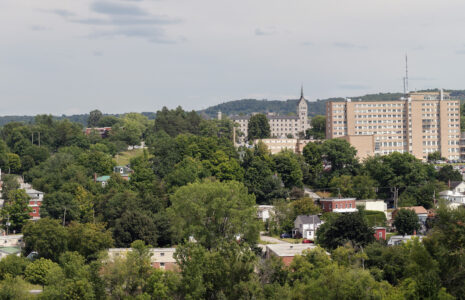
column 285, row 236
column 306, row 241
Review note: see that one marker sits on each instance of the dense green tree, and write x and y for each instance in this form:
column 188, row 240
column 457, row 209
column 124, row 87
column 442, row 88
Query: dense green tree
column 107, row 121
column 13, row 265
column 398, row 170
column 47, row 237
column 340, row 155
column 126, row 277
column 304, row 206
column 14, row 163
column 360, row 186
column 406, row 221
column 447, row 174
column 212, row 212
column 318, row 128
column 14, row 288
column 315, row 274
column 97, row 162
column 223, row 272
column 135, row 225
column 94, row 118
column 88, row 239
column 260, row 180
column 38, row 271
column 288, row 167
column 177, row 121
column 422, row 195
column 334, row 232
column 60, row 205
column 187, row 171
column 258, row 127
column 432, row 157
column 10, row 183
column 312, row 154
column 16, row 210
column 445, row 243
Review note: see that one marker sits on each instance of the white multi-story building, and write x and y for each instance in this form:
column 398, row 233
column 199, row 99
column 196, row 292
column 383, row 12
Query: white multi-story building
column 282, row 126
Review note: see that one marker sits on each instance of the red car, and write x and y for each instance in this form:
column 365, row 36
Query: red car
column 305, row 241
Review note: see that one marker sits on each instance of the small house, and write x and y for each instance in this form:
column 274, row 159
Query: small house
column 306, row 226
column 338, row 205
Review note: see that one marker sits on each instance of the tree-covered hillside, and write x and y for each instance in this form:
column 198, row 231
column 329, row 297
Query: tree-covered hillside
column 81, row 119
column 317, row 107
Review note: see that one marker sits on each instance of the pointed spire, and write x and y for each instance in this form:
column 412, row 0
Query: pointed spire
column 302, row 91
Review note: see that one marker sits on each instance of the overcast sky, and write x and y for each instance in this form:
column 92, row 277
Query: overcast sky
column 72, row 56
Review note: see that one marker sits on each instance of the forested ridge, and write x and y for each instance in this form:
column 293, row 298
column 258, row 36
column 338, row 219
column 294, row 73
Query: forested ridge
column 193, row 190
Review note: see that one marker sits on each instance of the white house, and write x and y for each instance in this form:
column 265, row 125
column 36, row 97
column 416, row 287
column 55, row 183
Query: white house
column 454, row 199
column 306, row 226
column 264, row 212
column 457, row 186
column 399, row 239
column 373, row 204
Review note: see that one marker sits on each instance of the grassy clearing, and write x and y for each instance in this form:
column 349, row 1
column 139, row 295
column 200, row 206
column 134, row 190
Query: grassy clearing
column 262, row 242
column 123, row 158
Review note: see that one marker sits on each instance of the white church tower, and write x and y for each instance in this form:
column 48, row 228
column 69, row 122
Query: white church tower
column 302, row 111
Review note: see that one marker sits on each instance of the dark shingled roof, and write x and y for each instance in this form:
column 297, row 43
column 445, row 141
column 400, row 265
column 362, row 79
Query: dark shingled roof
column 308, row 219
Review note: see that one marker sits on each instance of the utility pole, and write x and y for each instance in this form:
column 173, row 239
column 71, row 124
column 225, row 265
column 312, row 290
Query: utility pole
column 64, row 217
column 395, row 190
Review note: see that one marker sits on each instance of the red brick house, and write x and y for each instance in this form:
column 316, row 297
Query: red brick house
column 338, row 205
column 102, row 131
column 380, row 233
column 35, row 201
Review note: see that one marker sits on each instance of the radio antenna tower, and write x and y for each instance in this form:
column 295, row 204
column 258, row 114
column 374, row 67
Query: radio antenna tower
column 406, row 76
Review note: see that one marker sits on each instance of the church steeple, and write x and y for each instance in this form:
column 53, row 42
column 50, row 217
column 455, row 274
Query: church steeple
column 301, row 91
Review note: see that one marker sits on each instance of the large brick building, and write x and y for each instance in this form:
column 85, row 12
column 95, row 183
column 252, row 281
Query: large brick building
column 421, row 123
column 282, row 126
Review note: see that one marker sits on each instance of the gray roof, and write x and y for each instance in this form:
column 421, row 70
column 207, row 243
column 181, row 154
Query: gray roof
column 289, row 249
column 308, row 219
column 454, row 184
column 282, row 117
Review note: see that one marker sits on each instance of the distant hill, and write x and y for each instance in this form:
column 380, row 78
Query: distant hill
column 82, row 119
column 248, row 106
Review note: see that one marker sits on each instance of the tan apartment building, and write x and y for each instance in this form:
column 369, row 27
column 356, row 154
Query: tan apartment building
column 277, row 145
column 421, row 123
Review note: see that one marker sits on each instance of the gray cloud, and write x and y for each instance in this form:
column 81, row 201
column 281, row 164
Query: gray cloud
column 308, row 44
column 128, row 20
column 97, row 53
column 460, row 51
column 151, row 34
column 123, row 20
column 111, row 8
column 346, row 45
column 62, row 12
column 262, row 32
column 38, row 28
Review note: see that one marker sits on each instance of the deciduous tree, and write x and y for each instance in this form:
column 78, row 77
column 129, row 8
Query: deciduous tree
column 258, row 127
